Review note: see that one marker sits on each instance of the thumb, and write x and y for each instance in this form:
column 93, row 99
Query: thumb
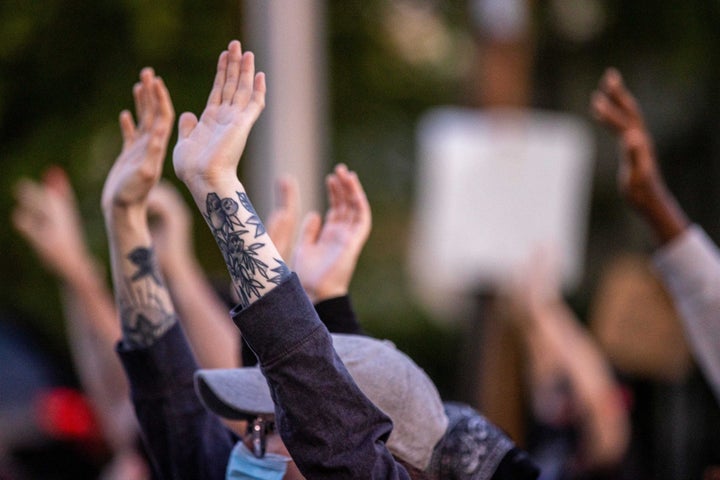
column 186, row 124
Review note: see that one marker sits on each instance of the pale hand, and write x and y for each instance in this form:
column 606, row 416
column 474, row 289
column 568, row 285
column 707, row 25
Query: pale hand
column 208, row 151
column 326, row 254
column 139, row 166
column 47, row 216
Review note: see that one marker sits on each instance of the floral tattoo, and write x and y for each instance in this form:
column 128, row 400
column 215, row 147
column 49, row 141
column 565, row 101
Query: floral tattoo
column 240, row 251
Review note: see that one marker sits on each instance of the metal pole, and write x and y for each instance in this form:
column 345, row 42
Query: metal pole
column 288, row 38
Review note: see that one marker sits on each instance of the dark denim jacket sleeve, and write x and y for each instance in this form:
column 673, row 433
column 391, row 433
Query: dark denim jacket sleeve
column 183, row 438
column 338, row 315
column 328, row 425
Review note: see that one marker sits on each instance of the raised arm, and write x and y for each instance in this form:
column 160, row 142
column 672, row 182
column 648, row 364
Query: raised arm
column 143, row 300
column 327, row 252
column 206, row 159
column 205, row 319
column 688, row 261
column 639, row 178
column 309, row 385
column 184, row 441
column 47, row 216
column 560, row 351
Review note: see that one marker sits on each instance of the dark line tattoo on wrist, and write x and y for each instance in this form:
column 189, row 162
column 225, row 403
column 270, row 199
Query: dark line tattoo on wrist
column 254, row 219
column 143, row 314
column 144, row 259
column 245, row 268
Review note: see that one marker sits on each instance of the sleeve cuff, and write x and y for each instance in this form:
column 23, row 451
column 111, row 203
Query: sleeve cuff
column 165, row 367
column 338, row 315
column 686, row 260
column 275, row 324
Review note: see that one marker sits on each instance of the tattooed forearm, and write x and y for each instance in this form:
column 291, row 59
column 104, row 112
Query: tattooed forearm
column 249, row 273
column 253, row 220
column 281, row 272
column 144, row 315
column 144, row 259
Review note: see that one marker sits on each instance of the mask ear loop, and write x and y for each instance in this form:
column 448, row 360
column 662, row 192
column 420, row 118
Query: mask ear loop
column 257, row 436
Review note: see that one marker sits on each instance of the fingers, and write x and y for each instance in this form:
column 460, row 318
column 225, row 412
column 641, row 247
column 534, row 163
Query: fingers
column 336, row 205
column 614, row 105
column 165, row 113
column 56, row 179
column 246, row 81
column 347, row 199
column 147, row 99
column 31, row 196
column 606, row 112
column 232, row 74
column 216, row 92
column 310, row 229
column 613, row 86
column 31, row 212
column 236, row 82
column 154, row 112
column 354, row 194
column 256, row 104
column 127, row 127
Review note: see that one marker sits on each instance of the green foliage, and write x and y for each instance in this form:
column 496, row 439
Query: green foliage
column 66, row 71
column 67, row 66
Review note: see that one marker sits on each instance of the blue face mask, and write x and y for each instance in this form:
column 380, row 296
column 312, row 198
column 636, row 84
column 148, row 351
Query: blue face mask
column 244, row 465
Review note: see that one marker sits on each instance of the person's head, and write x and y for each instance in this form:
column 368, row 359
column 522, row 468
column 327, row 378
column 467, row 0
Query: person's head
column 431, row 439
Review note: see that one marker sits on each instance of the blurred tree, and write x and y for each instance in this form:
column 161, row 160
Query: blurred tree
column 66, row 71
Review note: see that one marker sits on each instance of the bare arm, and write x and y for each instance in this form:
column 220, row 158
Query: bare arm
column 143, row 300
column 47, row 216
column 560, row 348
column 205, row 318
column 206, row 158
column 277, row 319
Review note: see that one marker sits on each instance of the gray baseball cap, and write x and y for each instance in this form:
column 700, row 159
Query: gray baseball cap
column 388, row 377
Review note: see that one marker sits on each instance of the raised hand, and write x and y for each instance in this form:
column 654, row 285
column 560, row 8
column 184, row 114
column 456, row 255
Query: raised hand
column 639, row 177
column 282, row 221
column 139, row 165
column 326, row 254
column 208, row 151
column 144, row 304
column 47, row 216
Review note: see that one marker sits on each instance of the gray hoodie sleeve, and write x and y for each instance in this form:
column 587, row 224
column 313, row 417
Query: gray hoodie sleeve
column 690, row 269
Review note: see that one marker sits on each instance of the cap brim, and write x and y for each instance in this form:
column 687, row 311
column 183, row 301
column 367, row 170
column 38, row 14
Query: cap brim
column 236, row 394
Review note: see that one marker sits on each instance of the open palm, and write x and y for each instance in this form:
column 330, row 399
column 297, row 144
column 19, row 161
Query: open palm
column 209, row 150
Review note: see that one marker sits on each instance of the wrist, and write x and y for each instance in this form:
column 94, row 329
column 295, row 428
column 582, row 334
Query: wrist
column 126, row 221
column 321, row 294
column 664, row 215
column 201, row 184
